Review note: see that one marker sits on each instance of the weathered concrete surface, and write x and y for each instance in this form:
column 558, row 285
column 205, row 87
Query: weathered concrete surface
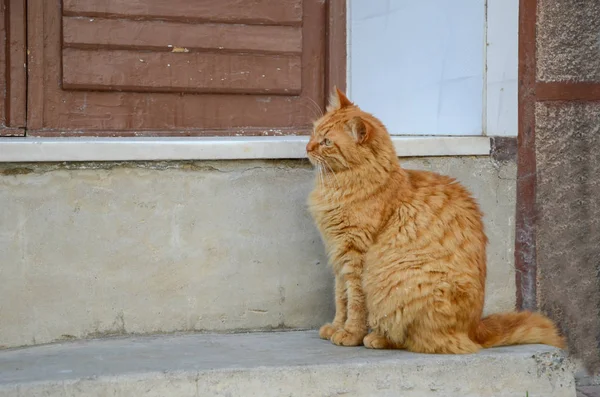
column 586, row 385
column 568, row 40
column 568, row 229
column 588, row 391
column 275, row 364
column 98, row 249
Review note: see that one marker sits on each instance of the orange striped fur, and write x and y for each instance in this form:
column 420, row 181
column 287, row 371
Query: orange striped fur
column 407, row 248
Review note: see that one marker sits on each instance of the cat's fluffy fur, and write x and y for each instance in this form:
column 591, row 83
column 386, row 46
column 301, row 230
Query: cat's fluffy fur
column 407, row 247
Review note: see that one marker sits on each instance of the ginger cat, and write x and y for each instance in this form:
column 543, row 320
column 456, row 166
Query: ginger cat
column 407, row 247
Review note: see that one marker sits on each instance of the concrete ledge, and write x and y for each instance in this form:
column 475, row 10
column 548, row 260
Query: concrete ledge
column 275, row 364
column 151, row 247
column 213, row 148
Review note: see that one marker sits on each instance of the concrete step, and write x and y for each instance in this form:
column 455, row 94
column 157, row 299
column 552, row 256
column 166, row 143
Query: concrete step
column 213, row 246
column 274, row 364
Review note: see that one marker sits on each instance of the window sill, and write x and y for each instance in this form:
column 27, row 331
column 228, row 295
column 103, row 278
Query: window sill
column 210, row 148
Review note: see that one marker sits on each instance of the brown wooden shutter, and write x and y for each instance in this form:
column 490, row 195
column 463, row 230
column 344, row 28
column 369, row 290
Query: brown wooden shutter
column 182, row 67
column 12, row 68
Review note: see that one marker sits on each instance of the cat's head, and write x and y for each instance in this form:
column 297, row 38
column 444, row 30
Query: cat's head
column 346, row 137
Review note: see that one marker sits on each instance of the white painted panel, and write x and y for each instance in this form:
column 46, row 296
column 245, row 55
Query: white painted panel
column 418, row 64
column 502, row 67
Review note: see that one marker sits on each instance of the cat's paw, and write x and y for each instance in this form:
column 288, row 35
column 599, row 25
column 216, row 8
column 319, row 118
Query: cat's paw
column 374, row 341
column 342, row 337
column 327, row 330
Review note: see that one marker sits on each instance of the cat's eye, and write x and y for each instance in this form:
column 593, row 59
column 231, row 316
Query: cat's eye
column 326, row 142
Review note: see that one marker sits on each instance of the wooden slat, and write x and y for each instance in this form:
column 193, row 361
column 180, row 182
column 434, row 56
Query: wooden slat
column 17, row 60
column 160, row 35
column 171, row 113
column 36, row 65
column 180, row 72
column 276, row 12
column 336, row 46
column 12, row 68
column 314, row 52
column 8, row 131
column 3, row 62
column 246, row 131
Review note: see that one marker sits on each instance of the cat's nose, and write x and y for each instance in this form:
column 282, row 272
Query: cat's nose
column 311, row 146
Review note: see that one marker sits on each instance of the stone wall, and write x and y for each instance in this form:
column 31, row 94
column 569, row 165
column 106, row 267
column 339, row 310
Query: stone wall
column 567, row 155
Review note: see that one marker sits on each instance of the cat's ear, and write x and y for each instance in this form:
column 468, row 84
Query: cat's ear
column 338, row 100
column 359, row 129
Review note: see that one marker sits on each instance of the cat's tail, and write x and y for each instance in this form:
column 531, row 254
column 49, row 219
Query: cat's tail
column 517, row 328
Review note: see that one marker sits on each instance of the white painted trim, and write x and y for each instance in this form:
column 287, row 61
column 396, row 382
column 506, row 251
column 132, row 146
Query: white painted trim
column 223, row 148
column 502, row 65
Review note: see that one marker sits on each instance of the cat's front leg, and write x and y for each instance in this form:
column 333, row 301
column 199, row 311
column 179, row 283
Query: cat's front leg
column 341, row 310
column 355, row 327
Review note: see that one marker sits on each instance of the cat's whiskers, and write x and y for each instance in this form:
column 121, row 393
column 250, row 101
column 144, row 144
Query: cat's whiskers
column 317, row 112
column 335, row 179
column 322, row 177
column 333, row 195
column 317, row 107
column 327, row 170
column 320, row 180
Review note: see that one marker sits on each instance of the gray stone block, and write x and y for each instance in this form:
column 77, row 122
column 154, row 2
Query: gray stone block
column 568, row 228
column 568, row 40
